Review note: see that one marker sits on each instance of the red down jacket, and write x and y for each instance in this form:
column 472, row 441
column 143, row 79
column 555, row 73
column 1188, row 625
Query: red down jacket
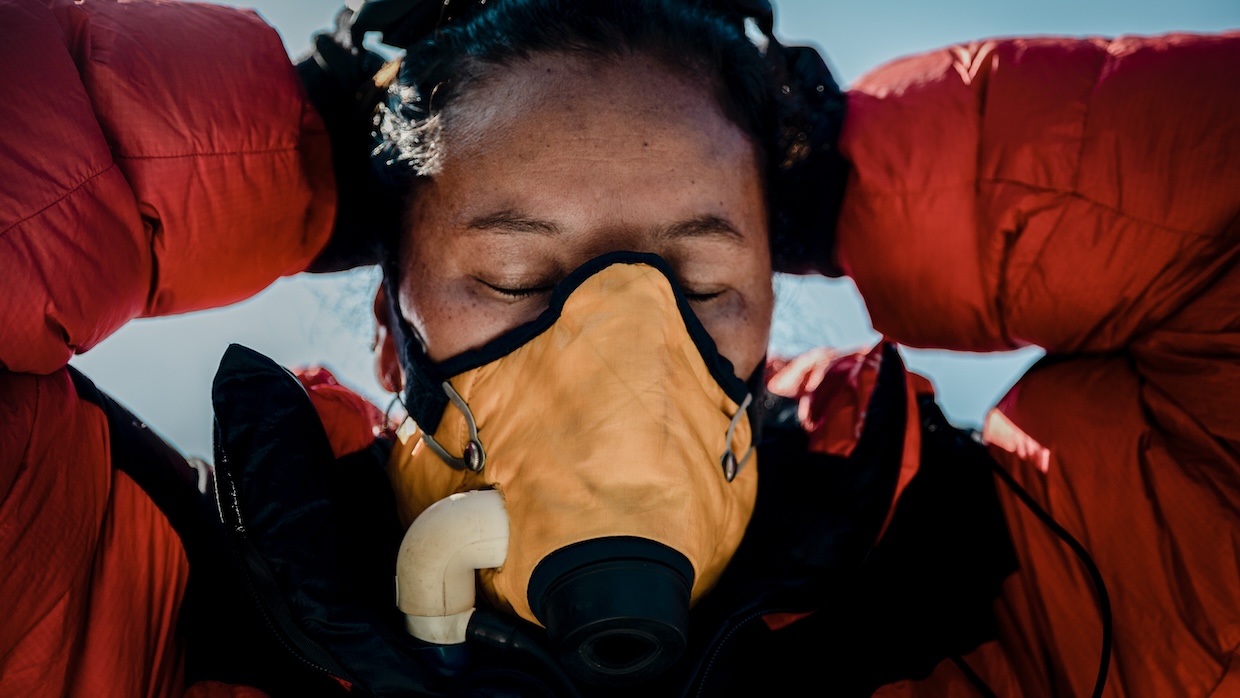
column 1083, row 196
column 154, row 158
column 1079, row 195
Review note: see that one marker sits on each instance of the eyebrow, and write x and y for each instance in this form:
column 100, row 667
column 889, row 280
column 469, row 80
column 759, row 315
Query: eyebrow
column 702, row 226
column 512, row 222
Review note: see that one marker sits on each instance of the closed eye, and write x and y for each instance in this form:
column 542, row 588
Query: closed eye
column 702, row 297
column 517, row 292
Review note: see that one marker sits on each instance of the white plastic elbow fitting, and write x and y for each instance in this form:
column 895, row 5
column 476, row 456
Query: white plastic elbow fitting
column 435, row 567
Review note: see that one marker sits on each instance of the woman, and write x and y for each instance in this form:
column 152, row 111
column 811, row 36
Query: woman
column 576, row 313
column 541, row 146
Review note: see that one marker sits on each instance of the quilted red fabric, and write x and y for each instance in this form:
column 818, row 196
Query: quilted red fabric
column 157, row 158
column 1082, row 195
column 93, row 572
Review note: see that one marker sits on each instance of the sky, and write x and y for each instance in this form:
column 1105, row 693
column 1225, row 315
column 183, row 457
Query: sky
column 162, row 368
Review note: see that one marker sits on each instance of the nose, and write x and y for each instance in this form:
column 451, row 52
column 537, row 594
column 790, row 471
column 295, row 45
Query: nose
column 616, row 609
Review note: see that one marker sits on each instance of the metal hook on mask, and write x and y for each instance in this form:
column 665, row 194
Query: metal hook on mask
column 731, row 466
column 474, row 456
column 387, row 414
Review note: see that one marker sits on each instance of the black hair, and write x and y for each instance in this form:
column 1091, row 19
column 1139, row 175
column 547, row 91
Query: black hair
column 783, row 98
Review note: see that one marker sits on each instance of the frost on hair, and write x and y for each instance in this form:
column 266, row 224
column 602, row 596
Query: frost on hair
column 410, row 137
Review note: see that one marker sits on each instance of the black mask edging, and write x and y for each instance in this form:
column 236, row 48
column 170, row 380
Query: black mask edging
column 760, row 405
column 423, row 395
column 425, row 399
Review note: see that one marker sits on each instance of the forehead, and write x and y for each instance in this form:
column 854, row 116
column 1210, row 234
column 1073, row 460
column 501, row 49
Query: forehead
column 575, row 105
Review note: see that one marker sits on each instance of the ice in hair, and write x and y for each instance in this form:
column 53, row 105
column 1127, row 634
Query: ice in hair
column 409, row 135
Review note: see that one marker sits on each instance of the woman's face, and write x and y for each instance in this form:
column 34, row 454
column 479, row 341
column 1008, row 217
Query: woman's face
column 559, row 159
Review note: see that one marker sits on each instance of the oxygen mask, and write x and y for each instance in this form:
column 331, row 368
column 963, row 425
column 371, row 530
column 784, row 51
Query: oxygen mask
column 620, row 445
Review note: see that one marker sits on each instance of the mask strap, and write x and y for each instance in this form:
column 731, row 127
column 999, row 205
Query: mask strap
column 387, row 414
column 474, row 456
column 730, row 465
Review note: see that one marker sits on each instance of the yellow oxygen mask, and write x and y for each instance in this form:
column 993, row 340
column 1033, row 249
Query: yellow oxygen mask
column 620, row 442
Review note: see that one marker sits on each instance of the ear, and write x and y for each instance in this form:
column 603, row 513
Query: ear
column 387, row 361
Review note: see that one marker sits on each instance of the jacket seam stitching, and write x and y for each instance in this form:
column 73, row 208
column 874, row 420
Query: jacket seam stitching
column 38, row 407
column 1106, row 207
column 24, row 463
column 1085, row 118
column 971, row 186
column 59, row 199
column 226, row 153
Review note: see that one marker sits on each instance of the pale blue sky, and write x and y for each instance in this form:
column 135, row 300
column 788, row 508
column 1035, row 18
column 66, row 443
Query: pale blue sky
column 162, row 368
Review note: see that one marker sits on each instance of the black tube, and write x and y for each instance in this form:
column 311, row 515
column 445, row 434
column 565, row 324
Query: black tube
column 1095, row 575
column 505, row 635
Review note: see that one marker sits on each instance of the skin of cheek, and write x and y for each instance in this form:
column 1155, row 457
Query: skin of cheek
column 748, row 348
